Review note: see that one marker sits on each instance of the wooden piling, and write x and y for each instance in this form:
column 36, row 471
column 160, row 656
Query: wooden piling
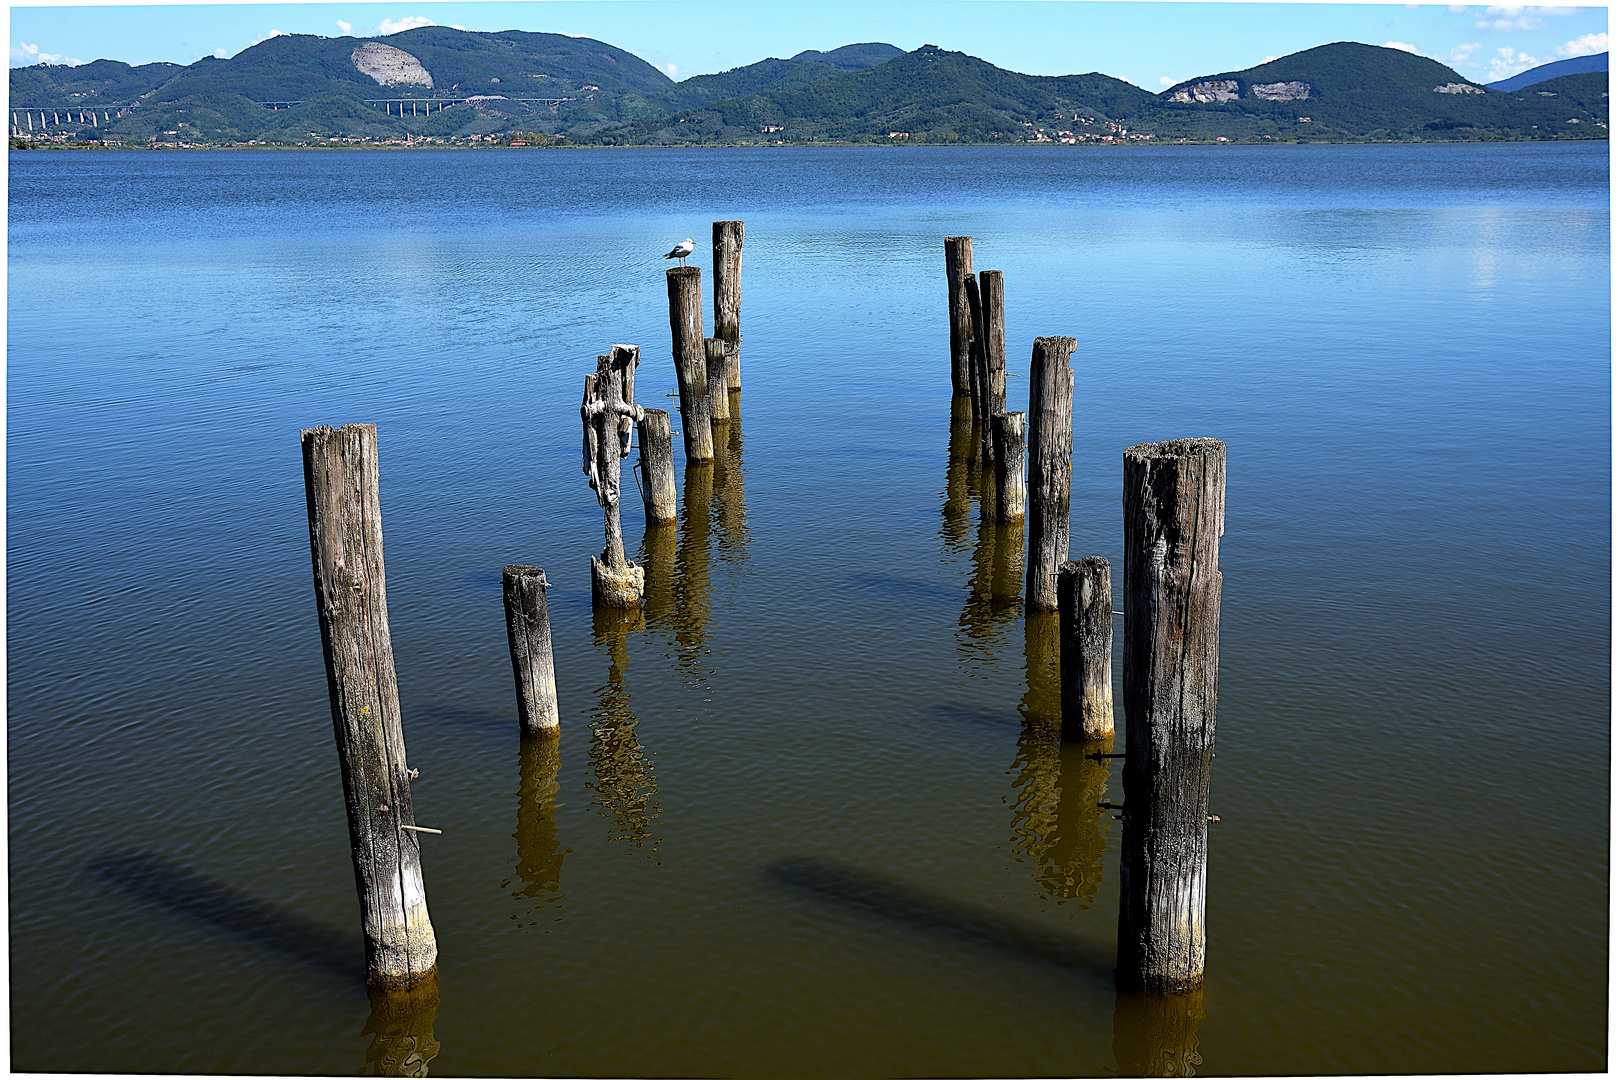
column 1084, row 602
column 608, row 414
column 975, row 372
column 1050, row 465
column 345, row 547
column 657, row 467
column 727, row 293
column 1010, row 489
column 528, row 631
column 991, row 356
column 733, row 367
column 1174, row 515
column 716, row 361
column 690, row 361
column 957, row 268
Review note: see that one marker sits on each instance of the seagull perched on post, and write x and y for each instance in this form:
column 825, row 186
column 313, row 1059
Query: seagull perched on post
column 682, row 249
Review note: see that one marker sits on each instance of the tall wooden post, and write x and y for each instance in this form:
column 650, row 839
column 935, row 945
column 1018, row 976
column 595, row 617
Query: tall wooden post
column 974, row 371
column 1050, row 465
column 528, row 631
column 1084, row 601
column 1010, row 489
column 345, row 547
column 957, row 268
column 690, row 362
column 991, row 355
column 657, row 467
column 727, row 294
column 713, row 350
column 608, row 414
column 1174, row 515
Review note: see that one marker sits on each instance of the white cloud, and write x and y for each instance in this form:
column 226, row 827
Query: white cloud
column 1267, row 59
column 221, row 53
column 346, row 28
column 456, row 26
column 1517, row 16
column 1403, row 46
column 23, row 54
column 1509, row 63
column 674, row 72
column 272, row 33
column 1166, row 81
column 1462, row 53
column 1588, row 45
column 1457, row 9
column 409, row 22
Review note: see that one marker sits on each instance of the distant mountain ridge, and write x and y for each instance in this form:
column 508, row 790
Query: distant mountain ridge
column 437, row 83
column 1576, row 65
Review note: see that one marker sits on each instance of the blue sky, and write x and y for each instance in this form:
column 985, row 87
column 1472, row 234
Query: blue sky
column 1150, row 44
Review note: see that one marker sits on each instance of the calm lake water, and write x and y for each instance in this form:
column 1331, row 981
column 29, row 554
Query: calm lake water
column 798, row 823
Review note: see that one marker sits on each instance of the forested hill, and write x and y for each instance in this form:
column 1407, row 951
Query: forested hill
column 438, row 84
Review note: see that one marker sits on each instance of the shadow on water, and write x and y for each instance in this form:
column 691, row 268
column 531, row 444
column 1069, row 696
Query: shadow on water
column 624, row 786
column 960, row 482
column 539, row 853
column 729, row 501
column 915, row 909
column 169, row 885
column 1055, row 820
column 1156, row 1034
column 401, row 1030
column 1042, row 646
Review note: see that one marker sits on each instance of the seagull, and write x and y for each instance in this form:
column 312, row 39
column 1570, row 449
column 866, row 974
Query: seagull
column 682, row 249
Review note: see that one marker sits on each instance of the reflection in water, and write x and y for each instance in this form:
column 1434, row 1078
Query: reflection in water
column 169, row 885
column 730, row 506
column 657, row 556
column 1055, row 818
column 994, row 591
column 401, row 1026
column 693, row 606
column 1042, row 644
column 624, row 785
column 960, row 481
column 1156, row 1034
column 539, row 854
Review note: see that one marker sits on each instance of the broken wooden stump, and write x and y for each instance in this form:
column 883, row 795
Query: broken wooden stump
column 716, row 360
column 1050, row 465
column 957, row 268
column 690, row 361
column 727, row 296
column 345, row 547
column 608, row 413
column 528, row 631
column 1010, row 489
column 1174, row 515
column 657, row 466
column 1084, row 603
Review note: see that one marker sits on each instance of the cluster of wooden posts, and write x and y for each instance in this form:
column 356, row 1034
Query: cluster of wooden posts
column 345, row 541
column 1174, row 516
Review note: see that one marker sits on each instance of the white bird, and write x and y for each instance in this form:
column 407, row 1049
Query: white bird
column 682, row 249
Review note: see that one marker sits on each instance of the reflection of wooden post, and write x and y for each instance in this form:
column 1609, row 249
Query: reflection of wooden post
column 1174, row 515
column 713, row 350
column 957, row 487
column 1050, row 465
column 528, row 630
column 957, row 267
column 974, row 369
column 1084, row 601
column 1156, row 1034
column 991, row 355
column 1010, row 490
column 608, row 413
column 539, row 855
column 727, row 295
column 401, row 1030
column 657, row 467
column 690, row 361
column 345, row 545
column 1042, row 650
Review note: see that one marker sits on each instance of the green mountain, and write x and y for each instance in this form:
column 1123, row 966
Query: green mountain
column 438, row 83
column 1351, row 91
column 1575, row 65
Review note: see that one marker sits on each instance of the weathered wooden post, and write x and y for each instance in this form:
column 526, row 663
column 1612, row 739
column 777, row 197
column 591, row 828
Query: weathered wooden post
column 1174, row 515
column 718, row 386
column 974, row 373
column 727, row 295
column 1084, row 603
column 1010, row 490
column 1050, row 465
column 690, row 362
column 528, row 630
column 345, row 546
column 657, row 466
column 957, row 268
column 991, row 356
column 608, row 413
